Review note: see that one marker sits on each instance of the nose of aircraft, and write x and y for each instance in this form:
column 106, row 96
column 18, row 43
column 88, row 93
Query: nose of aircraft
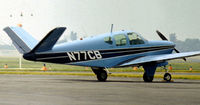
column 162, row 43
column 170, row 43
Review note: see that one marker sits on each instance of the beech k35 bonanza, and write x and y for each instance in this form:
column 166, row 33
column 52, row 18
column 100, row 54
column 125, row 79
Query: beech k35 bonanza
column 115, row 49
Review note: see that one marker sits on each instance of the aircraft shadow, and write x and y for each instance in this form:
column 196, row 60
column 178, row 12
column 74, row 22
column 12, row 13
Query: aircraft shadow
column 129, row 81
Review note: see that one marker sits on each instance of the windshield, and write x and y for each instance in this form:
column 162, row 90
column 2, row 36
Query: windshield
column 135, row 39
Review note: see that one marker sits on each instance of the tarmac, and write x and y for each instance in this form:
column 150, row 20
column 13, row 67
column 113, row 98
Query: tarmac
column 86, row 90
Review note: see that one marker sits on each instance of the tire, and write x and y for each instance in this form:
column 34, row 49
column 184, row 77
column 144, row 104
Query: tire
column 147, row 78
column 102, row 75
column 167, row 77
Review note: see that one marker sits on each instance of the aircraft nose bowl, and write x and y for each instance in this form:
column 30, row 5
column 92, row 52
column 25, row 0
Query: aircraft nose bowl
column 171, row 43
column 167, row 43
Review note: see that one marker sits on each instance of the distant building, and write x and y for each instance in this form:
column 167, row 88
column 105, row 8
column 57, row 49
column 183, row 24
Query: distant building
column 186, row 45
column 73, row 36
column 172, row 37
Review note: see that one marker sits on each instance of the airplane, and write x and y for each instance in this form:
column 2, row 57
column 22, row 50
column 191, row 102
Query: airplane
column 100, row 52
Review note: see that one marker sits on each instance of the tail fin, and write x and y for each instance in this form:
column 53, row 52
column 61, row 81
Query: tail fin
column 25, row 43
column 49, row 40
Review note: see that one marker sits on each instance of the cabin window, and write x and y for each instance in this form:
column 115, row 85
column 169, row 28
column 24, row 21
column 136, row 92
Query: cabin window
column 108, row 40
column 135, row 39
column 120, row 40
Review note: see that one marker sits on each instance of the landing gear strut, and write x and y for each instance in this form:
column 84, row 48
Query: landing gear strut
column 149, row 71
column 100, row 73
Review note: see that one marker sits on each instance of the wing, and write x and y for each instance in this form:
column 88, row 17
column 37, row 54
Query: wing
column 158, row 58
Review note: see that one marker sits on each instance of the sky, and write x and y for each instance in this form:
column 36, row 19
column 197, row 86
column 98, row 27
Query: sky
column 93, row 17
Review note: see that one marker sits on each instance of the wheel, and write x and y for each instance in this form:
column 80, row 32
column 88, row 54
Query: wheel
column 167, row 77
column 102, row 75
column 147, row 78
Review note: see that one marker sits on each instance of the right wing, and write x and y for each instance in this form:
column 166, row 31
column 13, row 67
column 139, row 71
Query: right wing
column 158, row 58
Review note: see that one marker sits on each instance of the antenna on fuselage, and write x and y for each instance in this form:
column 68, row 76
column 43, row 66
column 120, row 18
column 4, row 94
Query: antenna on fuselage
column 111, row 28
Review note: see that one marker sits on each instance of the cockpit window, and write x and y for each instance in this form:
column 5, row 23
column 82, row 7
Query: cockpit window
column 120, row 40
column 108, row 40
column 135, row 39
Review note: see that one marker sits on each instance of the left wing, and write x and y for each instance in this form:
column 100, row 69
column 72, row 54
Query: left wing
column 157, row 58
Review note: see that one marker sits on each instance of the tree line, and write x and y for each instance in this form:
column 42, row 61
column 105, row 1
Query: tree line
column 188, row 44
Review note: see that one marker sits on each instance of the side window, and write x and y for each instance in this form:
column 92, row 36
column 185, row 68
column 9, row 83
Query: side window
column 135, row 39
column 120, row 40
column 108, row 40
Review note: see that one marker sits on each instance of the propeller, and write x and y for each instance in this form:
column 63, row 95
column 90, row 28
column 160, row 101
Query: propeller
column 164, row 38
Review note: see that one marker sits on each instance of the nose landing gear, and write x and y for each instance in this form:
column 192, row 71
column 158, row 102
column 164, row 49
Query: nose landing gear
column 167, row 76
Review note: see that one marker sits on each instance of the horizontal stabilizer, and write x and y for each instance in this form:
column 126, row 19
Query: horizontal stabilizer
column 22, row 40
column 49, row 40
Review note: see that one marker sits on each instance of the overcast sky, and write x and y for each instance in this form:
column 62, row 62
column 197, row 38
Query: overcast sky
column 92, row 17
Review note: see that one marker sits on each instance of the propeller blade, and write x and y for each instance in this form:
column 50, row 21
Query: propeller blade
column 184, row 59
column 164, row 38
column 176, row 50
column 161, row 35
column 179, row 52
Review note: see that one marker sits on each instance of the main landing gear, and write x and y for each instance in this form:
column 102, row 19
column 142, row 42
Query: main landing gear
column 147, row 78
column 149, row 69
column 100, row 73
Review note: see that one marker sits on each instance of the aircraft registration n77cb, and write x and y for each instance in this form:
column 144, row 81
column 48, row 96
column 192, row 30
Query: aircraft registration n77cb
column 115, row 49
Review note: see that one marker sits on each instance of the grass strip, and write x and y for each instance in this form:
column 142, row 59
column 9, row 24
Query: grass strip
column 193, row 77
column 89, row 70
column 46, row 73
